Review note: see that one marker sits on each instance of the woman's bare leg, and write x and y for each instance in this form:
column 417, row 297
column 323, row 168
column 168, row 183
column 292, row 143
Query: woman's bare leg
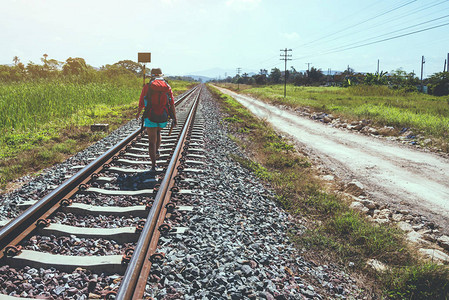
column 153, row 144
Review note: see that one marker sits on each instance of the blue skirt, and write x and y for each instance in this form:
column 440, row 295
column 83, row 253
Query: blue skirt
column 151, row 124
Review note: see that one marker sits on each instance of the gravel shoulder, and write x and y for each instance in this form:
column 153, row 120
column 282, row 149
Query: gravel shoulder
column 391, row 173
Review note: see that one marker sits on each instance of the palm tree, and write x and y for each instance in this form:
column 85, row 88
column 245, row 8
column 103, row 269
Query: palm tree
column 45, row 60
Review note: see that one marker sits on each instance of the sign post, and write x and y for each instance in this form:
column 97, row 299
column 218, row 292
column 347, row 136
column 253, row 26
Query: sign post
column 144, row 57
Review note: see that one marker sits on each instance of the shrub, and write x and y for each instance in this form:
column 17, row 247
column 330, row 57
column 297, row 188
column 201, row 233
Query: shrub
column 439, row 84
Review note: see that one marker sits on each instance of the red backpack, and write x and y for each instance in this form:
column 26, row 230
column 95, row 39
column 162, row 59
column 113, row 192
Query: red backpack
column 157, row 105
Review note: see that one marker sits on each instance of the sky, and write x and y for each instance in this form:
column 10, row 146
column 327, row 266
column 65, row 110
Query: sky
column 215, row 37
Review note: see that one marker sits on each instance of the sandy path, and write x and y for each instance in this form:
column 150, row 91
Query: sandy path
column 390, row 172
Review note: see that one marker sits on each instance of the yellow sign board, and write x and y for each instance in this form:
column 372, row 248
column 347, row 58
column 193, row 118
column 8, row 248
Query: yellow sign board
column 144, row 57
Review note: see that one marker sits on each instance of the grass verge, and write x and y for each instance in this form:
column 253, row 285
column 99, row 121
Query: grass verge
column 426, row 114
column 334, row 230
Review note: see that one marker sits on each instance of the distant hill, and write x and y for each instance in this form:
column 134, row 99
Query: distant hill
column 218, row 73
column 200, row 78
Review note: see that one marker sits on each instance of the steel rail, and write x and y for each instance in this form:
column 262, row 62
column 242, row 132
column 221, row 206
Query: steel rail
column 127, row 289
column 20, row 227
column 8, row 234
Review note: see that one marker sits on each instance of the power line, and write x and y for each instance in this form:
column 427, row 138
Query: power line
column 361, row 43
column 383, row 23
column 275, row 65
column 348, row 16
column 379, row 41
column 381, row 35
column 419, row 9
column 360, row 23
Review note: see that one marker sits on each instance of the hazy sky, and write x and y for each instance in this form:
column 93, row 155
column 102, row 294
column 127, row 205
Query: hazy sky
column 186, row 36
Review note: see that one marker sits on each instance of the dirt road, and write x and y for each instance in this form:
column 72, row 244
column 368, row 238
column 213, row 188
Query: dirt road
column 390, row 172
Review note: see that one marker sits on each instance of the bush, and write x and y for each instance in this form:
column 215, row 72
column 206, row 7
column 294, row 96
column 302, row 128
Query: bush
column 439, row 84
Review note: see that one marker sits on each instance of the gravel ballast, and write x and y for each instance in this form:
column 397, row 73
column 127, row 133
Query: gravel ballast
column 237, row 245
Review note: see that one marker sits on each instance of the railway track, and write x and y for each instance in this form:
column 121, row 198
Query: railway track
column 117, row 185
column 221, row 235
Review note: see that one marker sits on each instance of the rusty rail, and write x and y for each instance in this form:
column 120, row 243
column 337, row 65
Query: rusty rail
column 134, row 280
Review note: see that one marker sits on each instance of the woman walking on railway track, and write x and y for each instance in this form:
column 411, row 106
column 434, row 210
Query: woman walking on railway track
column 157, row 99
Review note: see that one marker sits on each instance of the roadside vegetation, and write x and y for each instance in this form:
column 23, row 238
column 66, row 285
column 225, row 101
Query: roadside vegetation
column 437, row 84
column 425, row 114
column 46, row 110
column 333, row 229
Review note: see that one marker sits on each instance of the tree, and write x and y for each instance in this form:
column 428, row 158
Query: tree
column 74, row 66
column 44, row 61
column 53, row 65
column 275, row 75
column 245, row 78
column 300, row 79
column 238, row 79
column 292, row 74
column 35, row 70
column 115, row 70
column 16, row 60
column 439, row 84
column 400, row 78
column 260, row 79
column 349, row 71
column 315, row 75
column 349, row 77
column 130, row 65
column 375, row 79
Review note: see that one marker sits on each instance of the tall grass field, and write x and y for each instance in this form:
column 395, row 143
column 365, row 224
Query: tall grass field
column 36, row 115
column 32, row 112
column 29, row 106
column 425, row 113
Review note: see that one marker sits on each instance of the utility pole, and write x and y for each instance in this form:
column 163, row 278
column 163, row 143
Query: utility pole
column 238, row 73
column 308, row 68
column 422, row 70
column 378, row 64
column 285, row 57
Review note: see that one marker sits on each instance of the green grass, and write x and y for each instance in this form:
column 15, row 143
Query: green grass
column 34, row 113
column 426, row 281
column 334, row 230
column 425, row 113
column 42, row 122
column 28, row 106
